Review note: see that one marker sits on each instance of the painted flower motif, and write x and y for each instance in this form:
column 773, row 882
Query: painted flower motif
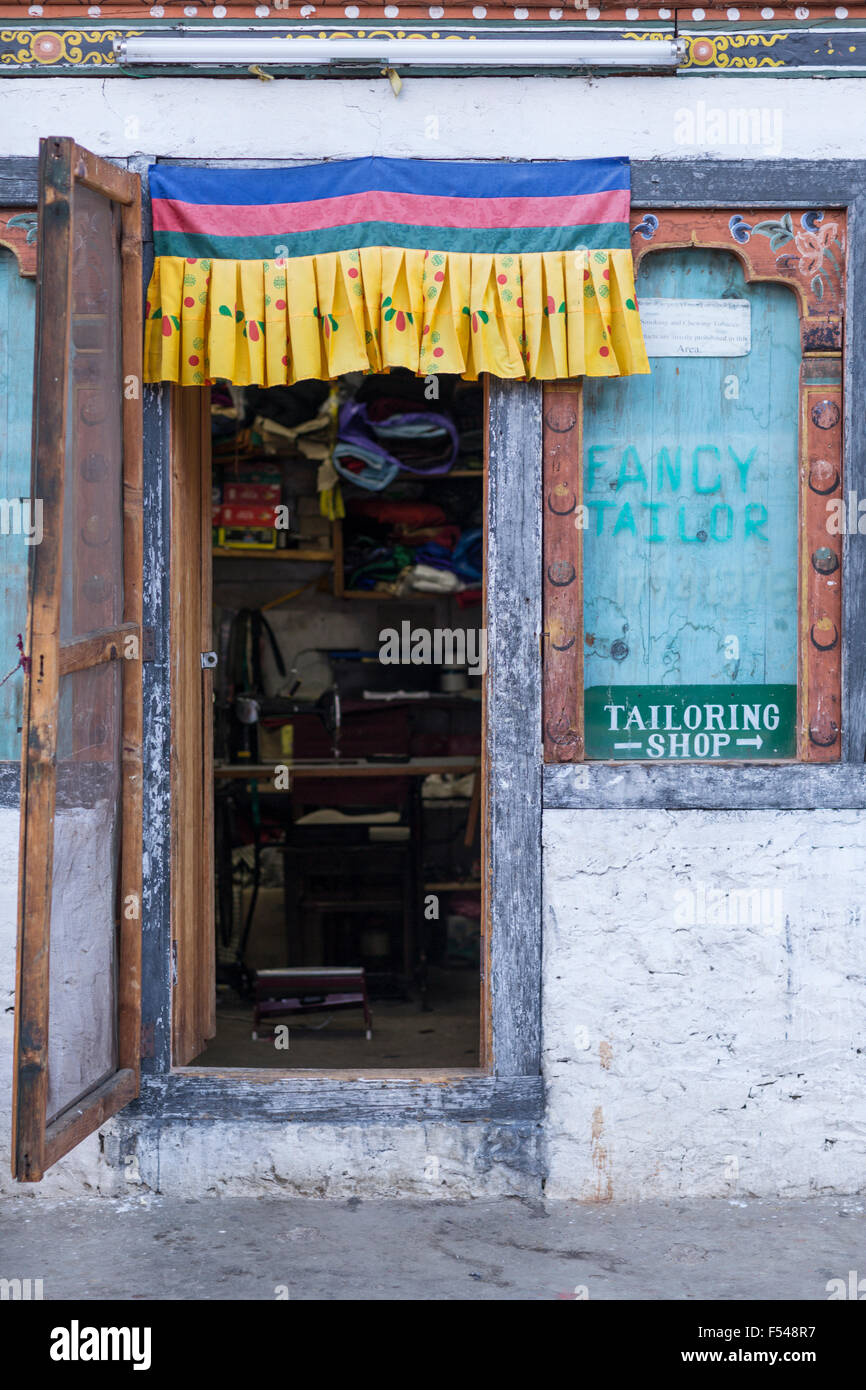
column 740, row 229
column 813, row 245
column 400, row 316
column 648, row 227
column 26, row 220
column 475, row 315
column 778, row 233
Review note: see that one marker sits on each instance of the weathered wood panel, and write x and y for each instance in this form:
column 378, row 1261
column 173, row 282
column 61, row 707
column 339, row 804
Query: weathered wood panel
column 562, row 576
column 696, row 786
column 825, row 516
column 262, row 1096
column 514, row 753
column 78, row 1051
column 19, row 181
column 193, row 1019
column 39, row 712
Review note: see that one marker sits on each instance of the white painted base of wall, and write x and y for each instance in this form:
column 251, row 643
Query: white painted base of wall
column 714, row 1058
column 681, row 1060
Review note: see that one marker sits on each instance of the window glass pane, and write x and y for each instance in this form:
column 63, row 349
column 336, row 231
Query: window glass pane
column 690, row 551
column 92, row 521
column 82, row 992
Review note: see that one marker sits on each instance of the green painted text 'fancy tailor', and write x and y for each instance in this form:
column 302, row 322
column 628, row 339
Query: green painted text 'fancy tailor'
column 690, row 722
column 704, row 470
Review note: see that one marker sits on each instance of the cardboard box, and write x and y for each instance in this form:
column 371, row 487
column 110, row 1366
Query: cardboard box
column 252, row 494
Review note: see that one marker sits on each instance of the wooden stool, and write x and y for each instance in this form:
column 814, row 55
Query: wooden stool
column 330, row 987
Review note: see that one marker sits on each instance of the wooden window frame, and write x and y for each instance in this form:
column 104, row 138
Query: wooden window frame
column 688, row 191
column 819, row 414
column 37, row 1144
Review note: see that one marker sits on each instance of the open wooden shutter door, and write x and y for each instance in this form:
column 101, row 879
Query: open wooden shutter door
column 78, row 1004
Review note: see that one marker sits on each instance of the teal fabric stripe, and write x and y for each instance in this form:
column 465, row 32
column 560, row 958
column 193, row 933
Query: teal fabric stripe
column 601, row 236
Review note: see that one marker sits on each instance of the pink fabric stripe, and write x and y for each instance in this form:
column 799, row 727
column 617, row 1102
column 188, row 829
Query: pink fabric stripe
column 410, row 208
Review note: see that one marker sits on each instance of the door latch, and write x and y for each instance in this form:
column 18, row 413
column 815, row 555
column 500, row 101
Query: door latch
column 208, row 660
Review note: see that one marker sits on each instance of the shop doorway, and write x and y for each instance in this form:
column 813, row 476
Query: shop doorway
column 342, row 673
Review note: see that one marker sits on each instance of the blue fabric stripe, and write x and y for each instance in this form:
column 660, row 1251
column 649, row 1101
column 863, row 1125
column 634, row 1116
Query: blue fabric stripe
column 448, row 178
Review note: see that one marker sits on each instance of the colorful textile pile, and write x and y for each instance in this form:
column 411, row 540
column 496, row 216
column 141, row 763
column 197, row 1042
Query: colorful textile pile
column 403, row 546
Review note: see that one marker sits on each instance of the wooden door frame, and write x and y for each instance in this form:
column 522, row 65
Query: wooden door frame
column 38, row 1140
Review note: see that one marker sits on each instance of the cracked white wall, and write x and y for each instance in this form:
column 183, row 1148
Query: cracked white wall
column 698, row 1039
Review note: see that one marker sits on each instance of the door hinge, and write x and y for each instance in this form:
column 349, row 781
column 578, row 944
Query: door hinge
column 148, row 644
column 173, row 963
column 208, row 660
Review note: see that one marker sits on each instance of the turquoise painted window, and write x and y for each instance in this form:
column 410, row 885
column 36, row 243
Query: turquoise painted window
column 17, row 327
column 690, row 546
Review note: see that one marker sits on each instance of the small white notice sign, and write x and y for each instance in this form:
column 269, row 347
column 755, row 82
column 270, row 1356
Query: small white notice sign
column 696, row 327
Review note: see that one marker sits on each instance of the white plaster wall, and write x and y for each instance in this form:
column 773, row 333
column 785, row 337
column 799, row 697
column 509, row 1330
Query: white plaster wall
column 433, row 118
column 711, row 1058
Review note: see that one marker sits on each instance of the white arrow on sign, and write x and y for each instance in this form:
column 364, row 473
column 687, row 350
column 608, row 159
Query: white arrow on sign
column 755, row 742
column 628, row 745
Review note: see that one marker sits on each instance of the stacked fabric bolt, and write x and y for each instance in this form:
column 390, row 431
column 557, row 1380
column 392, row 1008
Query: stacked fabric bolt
column 403, row 546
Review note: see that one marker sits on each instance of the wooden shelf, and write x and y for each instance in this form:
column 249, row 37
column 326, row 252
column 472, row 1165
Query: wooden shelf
column 441, row 477
column 468, row 885
column 290, row 556
column 394, row 598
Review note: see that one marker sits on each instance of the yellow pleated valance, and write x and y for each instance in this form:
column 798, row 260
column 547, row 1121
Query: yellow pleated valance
column 545, row 315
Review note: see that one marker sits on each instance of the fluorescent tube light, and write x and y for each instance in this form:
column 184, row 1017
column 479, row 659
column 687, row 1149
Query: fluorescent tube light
column 266, row 50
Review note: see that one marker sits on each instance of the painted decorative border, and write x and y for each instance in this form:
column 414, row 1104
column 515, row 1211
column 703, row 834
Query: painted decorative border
column 495, row 11
column 807, row 249
column 50, row 49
